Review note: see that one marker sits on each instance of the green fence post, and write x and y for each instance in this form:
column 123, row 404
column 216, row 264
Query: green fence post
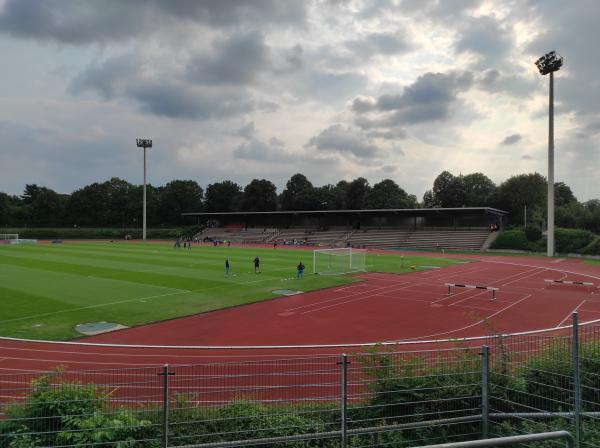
column 344, row 399
column 485, row 391
column 576, row 381
column 165, row 417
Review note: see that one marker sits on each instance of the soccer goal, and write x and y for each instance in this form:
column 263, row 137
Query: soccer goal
column 9, row 238
column 339, row 261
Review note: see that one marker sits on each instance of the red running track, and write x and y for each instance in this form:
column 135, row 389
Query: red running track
column 383, row 307
column 413, row 309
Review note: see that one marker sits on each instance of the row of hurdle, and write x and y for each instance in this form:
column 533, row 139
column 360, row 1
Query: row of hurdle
column 494, row 289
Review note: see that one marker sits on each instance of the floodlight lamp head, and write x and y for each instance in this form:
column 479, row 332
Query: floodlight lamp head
column 143, row 142
column 550, row 62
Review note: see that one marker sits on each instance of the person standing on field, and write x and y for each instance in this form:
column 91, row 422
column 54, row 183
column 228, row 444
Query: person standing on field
column 227, row 267
column 299, row 270
column 257, row 265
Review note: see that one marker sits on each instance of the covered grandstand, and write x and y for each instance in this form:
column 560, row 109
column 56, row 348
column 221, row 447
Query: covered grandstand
column 466, row 228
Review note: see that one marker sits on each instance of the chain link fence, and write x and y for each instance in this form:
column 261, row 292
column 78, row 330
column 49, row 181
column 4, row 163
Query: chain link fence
column 508, row 386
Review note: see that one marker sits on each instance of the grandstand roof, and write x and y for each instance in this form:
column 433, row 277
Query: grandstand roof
column 408, row 211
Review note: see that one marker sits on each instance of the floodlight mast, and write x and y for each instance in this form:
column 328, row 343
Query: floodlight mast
column 144, row 143
column 548, row 64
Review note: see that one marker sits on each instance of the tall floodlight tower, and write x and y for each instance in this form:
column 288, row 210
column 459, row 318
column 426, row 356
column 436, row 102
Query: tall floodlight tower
column 144, row 143
column 550, row 63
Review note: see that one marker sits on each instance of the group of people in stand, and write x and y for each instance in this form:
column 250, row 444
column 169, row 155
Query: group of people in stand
column 299, row 269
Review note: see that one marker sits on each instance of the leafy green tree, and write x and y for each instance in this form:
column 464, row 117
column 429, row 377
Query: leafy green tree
column 177, row 197
column 387, row 194
column 43, row 206
column 356, row 195
column 5, row 217
column 563, row 194
column 325, row 197
column 299, row 194
column 448, row 190
column 593, row 220
column 223, row 196
column 88, row 206
column 429, row 201
column 520, row 190
column 260, row 196
column 119, row 200
column 572, row 215
column 340, row 196
column 478, row 189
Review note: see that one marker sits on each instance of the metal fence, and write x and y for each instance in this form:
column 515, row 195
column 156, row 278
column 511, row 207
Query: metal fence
column 510, row 385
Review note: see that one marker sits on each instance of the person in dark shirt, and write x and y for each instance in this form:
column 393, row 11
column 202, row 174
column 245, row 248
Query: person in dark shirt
column 257, row 265
column 299, row 270
column 227, row 268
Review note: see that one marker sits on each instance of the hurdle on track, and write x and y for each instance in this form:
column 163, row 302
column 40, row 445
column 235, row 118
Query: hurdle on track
column 590, row 285
column 460, row 285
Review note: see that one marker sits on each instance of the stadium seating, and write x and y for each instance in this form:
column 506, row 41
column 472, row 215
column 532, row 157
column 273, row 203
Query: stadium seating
column 391, row 238
column 421, row 239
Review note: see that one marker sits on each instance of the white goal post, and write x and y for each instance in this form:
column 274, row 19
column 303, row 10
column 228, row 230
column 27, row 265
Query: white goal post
column 8, row 237
column 339, row 261
column 13, row 238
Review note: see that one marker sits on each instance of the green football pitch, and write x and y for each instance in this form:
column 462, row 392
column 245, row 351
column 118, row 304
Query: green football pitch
column 47, row 289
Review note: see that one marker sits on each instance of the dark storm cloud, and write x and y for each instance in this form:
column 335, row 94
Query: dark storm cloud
column 429, row 98
column 177, row 100
column 519, row 86
column 70, row 22
column 108, row 78
column 82, row 22
column 512, row 139
column 239, row 59
column 344, row 140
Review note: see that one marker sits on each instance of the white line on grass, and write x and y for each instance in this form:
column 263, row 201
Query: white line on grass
column 101, row 305
column 92, row 306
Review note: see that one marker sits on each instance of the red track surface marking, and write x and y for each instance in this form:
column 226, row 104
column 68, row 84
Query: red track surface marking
column 384, row 307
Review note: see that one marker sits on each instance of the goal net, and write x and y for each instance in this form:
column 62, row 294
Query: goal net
column 9, row 237
column 13, row 238
column 338, row 261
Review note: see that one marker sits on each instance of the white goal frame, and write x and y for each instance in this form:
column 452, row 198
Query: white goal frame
column 9, row 237
column 355, row 260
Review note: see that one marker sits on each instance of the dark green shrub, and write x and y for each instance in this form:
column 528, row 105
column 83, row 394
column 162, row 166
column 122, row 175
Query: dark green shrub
column 572, row 240
column 593, row 248
column 533, row 233
column 69, row 413
column 512, row 239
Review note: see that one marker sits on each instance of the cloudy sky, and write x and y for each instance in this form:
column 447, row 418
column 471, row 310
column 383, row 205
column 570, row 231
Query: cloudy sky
column 243, row 89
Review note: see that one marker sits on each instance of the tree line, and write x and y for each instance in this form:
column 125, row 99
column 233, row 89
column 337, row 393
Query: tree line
column 117, row 203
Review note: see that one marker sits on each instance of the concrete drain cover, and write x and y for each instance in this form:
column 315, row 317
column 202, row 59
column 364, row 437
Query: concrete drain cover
column 286, row 292
column 92, row 328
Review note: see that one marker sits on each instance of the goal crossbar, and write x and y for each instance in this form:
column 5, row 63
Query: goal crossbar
column 338, row 261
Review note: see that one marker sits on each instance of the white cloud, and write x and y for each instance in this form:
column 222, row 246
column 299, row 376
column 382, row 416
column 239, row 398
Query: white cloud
column 244, row 89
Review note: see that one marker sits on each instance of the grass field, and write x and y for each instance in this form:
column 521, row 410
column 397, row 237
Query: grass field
column 47, row 289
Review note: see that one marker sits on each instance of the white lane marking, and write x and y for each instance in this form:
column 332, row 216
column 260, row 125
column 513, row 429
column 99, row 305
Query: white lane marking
column 571, row 313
